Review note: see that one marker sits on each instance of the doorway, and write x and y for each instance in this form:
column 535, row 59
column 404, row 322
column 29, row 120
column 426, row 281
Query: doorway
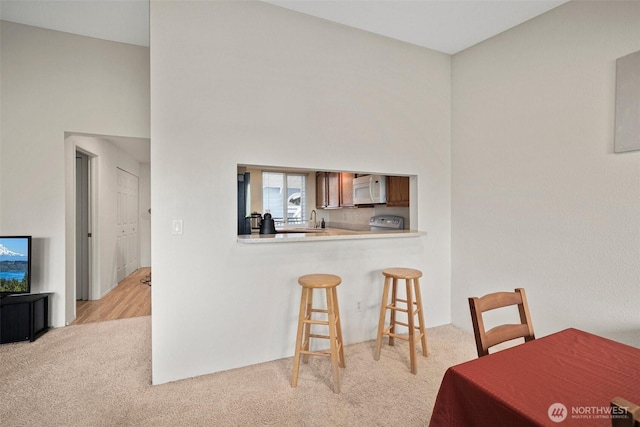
column 83, row 226
column 109, row 234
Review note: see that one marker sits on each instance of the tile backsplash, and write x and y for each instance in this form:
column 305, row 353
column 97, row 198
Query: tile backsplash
column 358, row 218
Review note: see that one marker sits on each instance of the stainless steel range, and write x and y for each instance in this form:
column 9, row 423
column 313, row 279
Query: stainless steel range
column 386, row 223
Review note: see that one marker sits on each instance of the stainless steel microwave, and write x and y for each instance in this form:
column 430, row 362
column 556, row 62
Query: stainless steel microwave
column 370, row 189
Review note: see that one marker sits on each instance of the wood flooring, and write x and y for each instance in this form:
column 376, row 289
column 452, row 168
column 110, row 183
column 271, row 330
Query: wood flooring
column 131, row 298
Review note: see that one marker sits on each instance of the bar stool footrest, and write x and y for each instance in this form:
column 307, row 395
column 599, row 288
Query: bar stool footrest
column 326, row 337
column 400, row 337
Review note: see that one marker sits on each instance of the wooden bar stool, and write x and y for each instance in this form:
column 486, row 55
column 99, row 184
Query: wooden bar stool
column 411, row 306
column 309, row 282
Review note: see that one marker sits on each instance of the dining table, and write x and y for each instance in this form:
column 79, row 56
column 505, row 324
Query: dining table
column 567, row 378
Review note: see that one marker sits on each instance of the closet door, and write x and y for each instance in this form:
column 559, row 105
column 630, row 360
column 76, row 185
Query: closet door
column 127, row 224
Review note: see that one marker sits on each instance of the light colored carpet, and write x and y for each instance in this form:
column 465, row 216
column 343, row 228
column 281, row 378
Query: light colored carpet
column 99, row 374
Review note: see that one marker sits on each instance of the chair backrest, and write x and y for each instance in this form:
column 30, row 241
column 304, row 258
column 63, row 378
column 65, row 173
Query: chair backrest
column 624, row 413
column 486, row 339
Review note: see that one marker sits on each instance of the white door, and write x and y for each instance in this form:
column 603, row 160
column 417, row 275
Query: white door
column 127, row 224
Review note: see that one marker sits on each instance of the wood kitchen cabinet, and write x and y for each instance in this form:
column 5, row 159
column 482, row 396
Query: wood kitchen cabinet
column 333, row 187
column 334, row 190
column 398, row 191
column 322, row 192
column 346, row 189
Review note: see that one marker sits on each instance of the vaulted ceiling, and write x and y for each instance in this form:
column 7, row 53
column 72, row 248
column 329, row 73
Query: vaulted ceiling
column 448, row 26
column 444, row 25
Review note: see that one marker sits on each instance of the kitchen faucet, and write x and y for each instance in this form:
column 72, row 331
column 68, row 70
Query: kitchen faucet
column 314, row 218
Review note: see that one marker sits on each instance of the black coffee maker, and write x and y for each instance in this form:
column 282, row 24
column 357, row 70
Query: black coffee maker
column 267, row 225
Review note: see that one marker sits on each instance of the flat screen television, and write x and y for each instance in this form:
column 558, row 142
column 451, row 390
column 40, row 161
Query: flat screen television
column 15, row 265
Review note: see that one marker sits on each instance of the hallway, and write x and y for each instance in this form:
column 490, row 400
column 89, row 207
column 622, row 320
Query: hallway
column 131, row 298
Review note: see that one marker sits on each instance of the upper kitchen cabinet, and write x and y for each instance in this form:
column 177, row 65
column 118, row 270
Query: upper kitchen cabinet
column 346, row 189
column 334, row 189
column 398, row 191
column 322, row 191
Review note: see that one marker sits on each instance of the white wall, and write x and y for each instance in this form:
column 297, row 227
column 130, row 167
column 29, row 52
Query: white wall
column 53, row 83
column 540, row 200
column 106, row 159
column 250, row 83
column 0, row 128
column 144, row 216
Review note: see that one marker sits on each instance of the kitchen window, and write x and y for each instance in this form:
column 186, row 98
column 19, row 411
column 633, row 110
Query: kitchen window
column 284, row 195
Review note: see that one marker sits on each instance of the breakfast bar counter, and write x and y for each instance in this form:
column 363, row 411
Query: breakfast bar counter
column 320, row 234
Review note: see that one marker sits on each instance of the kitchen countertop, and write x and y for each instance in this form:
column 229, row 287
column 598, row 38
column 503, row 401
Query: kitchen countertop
column 307, row 235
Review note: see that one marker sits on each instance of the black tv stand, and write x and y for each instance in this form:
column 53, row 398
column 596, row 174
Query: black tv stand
column 23, row 317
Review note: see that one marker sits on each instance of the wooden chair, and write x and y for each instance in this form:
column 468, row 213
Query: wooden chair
column 624, row 413
column 499, row 334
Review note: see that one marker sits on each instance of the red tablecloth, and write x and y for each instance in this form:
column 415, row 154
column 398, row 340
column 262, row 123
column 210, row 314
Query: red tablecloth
column 519, row 385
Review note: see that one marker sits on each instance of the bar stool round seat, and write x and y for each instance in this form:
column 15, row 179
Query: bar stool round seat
column 411, row 305
column 309, row 282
